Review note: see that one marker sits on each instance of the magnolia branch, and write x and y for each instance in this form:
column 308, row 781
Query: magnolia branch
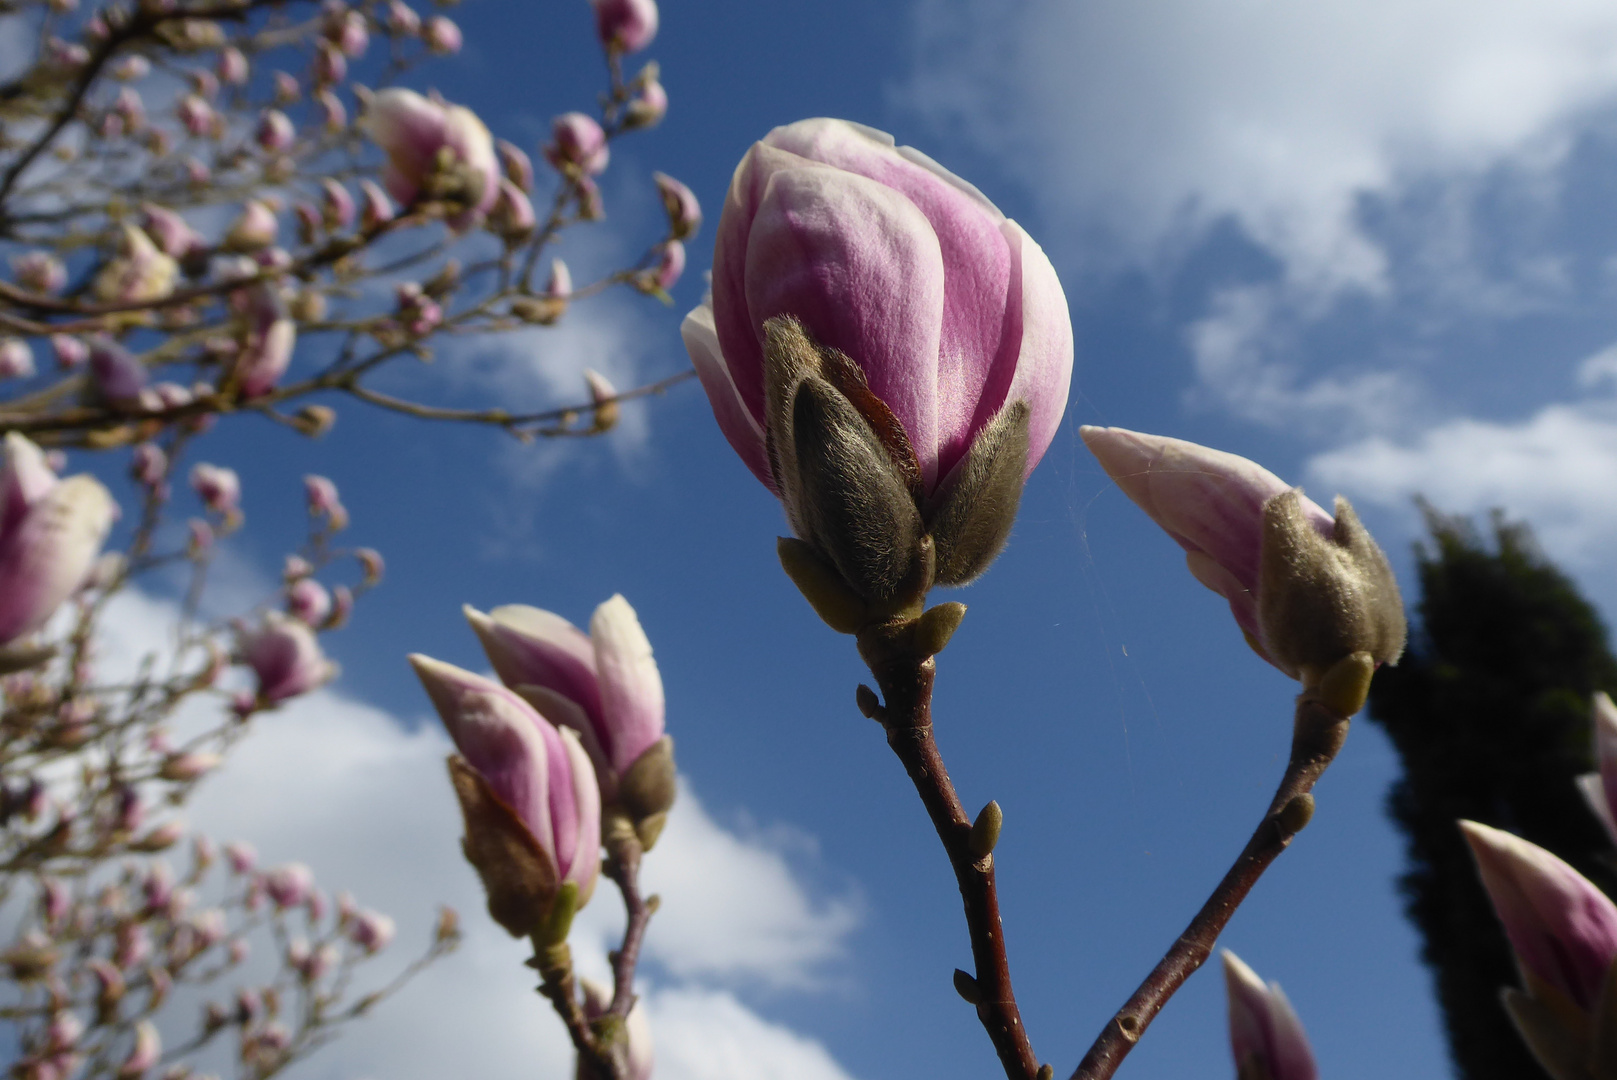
column 1318, row 735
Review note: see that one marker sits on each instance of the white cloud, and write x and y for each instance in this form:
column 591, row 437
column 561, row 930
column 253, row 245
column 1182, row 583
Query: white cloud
column 1172, row 113
column 1556, row 469
column 347, row 789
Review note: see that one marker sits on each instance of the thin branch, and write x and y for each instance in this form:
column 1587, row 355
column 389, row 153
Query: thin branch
column 1317, row 737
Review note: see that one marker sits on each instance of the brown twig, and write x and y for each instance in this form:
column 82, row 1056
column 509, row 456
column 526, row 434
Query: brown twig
column 1317, row 736
column 623, row 867
column 906, row 685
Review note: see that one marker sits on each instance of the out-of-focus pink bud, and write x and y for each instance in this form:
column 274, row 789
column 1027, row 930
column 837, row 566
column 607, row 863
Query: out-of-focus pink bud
column 183, row 768
column 144, row 1054
column 441, row 35
column 130, row 109
column 684, row 212
column 332, row 113
column 267, row 348
column 578, row 143
column 537, row 772
column 308, row 600
column 648, row 107
column 338, row 204
column 434, row 150
column 158, row 887
column 131, row 68
column 590, row 205
column 310, row 222
column 65, row 55
column 371, row 564
column 1562, row 928
column 64, row 1032
column 70, row 352
column 315, row 906
column 287, row 89
column 823, row 219
column 171, row 232
column 54, row 901
column 518, row 167
column 241, row 856
column 196, row 115
column 286, row 656
column 197, row 173
column 275, row 132
column 116, row 374
column 203, row 82
column 636, row 1030
column 16, row 358
column 296, row 568
column 347, row 30
column 605, row 685
column 1266, row 1037
column 289, row 885
column 372, row 931
column 39, row 271
column 219, row 488
column 322, row 497
column 402, row 18
column 560, row 284
column 625, row 26
column 50, row 534
column 138, row 273
column 255, row 228
column 330, row 65
column 148, row 464
column 231, row 66
column 378, row 208
column 419, row 312
column 1600, row 788
column 605, row 397
column 670, row 265
column 134, row 946
column 513, row 216
column 199, row 538
column 1225, row 511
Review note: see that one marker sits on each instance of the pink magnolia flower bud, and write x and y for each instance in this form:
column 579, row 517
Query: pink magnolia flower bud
column 171, row 232
column 1600, row 788
column 684, row 212
column 349, row 33
column 330, row 65
column 286, row 656
column 605, row 684
column 636, row 1030
column 342, row 607
column 560, row 283
column 131, row 68
column 1240, row 526
column 232, row 66
column 144, row 1054
column 371, row 931
column 255, row 228
column 139, row 272
column 289, row 885
column 116, row 375
column 219, row 488
column 518, row 167
column 203, row 82
column 199, row 538
column 196, row 115
column 670, row 265
column 577, row 141
column 241, row 856
column 309, row 601
column 1562, row 928
column 50, row 534
column 267, row 349
column 441, row 35
column 371, row 564
column 434, row 150
column 39, row 271
column 130, row 109
column 540, row 774
column 402, row 18
column 322, row 496
column 275, row 132
column 148, row 464
column 71, row 352
column 512, row 216
column 648, row 107
column 183, row 768
column 967, row 380
column 16, row 358
column 332, row 112
column 1266, row 1037
column 338, row 204
column 378, row 208
column 287, row 89
column 625, row 25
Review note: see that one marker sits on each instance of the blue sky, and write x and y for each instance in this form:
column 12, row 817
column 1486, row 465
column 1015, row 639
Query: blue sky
column 1370, row 244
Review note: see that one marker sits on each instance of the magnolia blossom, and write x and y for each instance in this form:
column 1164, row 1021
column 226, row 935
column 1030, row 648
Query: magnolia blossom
column 196, row 115
column 1266, row 1037
column 605, row 684
column 255, row 228
column 51, row 531
column 578, row 141
column 1242, row 528
column 139, row 273
column 275, row 132
column 560, row 283
column 1562, row 928
column 1600, row 788
column 286, row 657
column 39, row 271
column 648, row 107
column 537, row 771
column 684, row 212
column 625, row 25
column 516, row 164
column 951, row 397
column 172, row 233
column 16, row 358
column 378, row 208
column 219, row 488
column 441, row 35
column 417, row 134
column 636, row 1030
column 267, row 346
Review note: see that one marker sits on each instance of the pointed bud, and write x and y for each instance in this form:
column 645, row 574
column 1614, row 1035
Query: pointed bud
column 1266, row 1037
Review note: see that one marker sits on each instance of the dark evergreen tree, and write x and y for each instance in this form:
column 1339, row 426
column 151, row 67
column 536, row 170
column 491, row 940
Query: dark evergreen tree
column 1489, row 710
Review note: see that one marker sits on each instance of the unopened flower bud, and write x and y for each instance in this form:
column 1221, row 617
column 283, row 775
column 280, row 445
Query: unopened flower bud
column 1266, row 1037
column 219, row 488
column 148, row 464
column 289, row 885
column 578, row 143
column 71, row 352
column 371, row 564
column 441, row 35
column 371, row 931
column 232, row 66
column 402, row 18
column 144, row 1054
column 330, row 65
column 16, row 358
column 255, row 228
column 309, row 601
column 625, row 26
column 275, row 132
column 648, row 107
column 39, row 271
column 332, row 111
column 378, row 208
column 516, row 164
column 184, row 768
